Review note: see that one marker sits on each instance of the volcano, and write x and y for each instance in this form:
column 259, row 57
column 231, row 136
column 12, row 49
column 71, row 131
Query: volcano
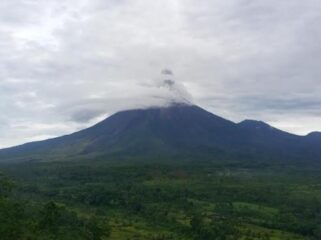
column 178, row 129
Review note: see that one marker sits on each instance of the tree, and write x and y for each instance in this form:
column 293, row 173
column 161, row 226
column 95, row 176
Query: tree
column 97, row 228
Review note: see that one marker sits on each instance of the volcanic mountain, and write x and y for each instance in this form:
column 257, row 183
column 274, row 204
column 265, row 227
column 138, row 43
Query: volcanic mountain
column 179, row 129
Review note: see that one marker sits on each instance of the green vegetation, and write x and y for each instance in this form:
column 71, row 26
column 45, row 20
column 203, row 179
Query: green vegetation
column 127, row 200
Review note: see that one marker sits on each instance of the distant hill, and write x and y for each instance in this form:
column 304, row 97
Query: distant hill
column 179, row 129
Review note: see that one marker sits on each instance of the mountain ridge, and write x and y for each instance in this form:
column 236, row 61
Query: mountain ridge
column 174, row 129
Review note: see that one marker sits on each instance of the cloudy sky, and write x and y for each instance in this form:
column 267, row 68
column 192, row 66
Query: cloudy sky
column 65, row 65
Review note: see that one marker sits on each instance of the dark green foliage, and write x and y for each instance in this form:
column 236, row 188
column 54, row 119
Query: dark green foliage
column 49, row 221
column 56, row 222
column 96, row 229
column 5, row 186
column 191, row 200
column 11, row 214
column 221, row 225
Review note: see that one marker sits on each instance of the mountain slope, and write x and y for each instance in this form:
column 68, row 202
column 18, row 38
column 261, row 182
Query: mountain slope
column 144, row 130
column 178, row 129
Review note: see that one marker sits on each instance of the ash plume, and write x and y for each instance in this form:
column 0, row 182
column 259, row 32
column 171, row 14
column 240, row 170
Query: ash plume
column 176, row 92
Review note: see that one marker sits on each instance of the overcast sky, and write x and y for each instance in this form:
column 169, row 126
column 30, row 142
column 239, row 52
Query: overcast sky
column 65, row 65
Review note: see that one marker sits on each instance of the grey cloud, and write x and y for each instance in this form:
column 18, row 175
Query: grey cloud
column 167, row 72
column 85, row 115
column 63, row 65
column 256, row 104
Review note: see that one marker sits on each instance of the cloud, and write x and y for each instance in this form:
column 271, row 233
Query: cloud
column 73, row 62
column 167, row 72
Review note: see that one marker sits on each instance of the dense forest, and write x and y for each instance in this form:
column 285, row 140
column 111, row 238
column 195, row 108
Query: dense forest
column 100, row 199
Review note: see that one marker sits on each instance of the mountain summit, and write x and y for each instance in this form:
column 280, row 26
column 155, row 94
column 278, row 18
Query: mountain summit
column 179, row 129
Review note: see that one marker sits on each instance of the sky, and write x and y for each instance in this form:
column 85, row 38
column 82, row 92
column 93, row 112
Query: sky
column 65, row 65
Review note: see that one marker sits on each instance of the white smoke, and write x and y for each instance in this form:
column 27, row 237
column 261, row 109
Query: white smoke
column 172, row 91
column 162, row 91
